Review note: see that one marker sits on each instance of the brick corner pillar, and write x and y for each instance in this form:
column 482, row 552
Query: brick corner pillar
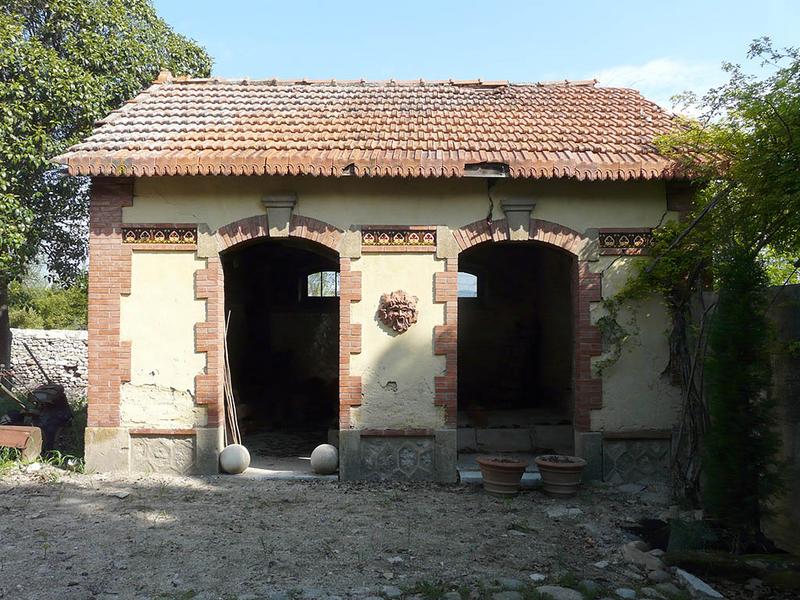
column 445, row 336
column 107, row 444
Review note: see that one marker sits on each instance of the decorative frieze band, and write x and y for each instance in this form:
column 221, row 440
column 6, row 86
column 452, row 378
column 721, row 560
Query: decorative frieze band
column 159, row 235
column 398, row 238
column 625, row 241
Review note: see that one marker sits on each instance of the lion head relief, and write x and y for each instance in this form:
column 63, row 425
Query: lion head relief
column 398, row 310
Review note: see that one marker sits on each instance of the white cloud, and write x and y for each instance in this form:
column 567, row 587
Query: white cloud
column 662, row 78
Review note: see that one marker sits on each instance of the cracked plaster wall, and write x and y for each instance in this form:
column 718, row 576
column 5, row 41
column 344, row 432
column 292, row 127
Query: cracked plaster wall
column 635, row 394
column 158, row 318
column 397, row 370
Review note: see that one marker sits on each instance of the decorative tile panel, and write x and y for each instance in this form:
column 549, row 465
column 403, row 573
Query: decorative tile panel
column 625, row 241
column 636, row 460
column 407, row 239
column 397, row 458
column 159, row 235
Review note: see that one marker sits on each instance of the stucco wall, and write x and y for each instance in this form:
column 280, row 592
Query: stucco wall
column 158, row 318
column 635, row 395
column 397, row 370
column 218, row 201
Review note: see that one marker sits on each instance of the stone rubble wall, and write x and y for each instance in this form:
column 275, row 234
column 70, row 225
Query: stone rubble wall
column 62, row 353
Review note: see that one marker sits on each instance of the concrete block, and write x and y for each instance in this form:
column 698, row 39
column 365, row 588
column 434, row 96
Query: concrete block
column 503, row 440
column 446, row 245
column 108, row 449
column 589, row 446
column 206, row 242
column 209, row 442
column 349, row 455
column 446, row 455
column 560, row 438
column 467, row 439
column 350, row 246
column 333, row 437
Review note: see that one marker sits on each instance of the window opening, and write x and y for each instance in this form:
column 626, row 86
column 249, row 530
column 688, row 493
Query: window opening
column 467, row 285
column 323, row 284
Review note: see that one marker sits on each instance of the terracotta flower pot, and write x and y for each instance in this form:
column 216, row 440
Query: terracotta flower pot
column 561, row 475
column 501, row 476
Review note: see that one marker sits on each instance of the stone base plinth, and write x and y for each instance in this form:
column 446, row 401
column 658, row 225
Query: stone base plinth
column 177, row 452
column 398, row 455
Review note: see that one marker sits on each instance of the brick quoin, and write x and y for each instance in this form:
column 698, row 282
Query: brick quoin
column 445, row 340
column 109, row 279
column 587, row 288
column 256, row 227
column 209, row 337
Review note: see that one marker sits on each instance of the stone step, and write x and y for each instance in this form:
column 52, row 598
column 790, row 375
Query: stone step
column 530, row 480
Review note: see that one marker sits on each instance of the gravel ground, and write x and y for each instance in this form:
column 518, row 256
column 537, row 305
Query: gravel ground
column 66, row 535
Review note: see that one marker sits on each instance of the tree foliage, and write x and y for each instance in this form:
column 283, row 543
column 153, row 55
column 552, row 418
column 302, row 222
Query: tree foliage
column 63, row 65
column 744, row 154
column 740, row 449
column 39, row 305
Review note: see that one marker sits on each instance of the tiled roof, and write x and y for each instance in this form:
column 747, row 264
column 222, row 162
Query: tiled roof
column 407, row 129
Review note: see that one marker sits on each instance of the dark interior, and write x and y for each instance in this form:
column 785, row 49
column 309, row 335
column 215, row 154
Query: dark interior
column 515, row 336
column 283, row 338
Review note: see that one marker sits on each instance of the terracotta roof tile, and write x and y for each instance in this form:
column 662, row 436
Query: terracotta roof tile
column 406, row 129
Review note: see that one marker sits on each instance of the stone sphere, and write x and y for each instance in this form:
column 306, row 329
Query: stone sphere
column 234, row 459
column 325, row 459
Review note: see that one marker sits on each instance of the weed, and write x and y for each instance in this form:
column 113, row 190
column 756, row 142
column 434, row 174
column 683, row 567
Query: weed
column 530, row 593
column 428, row 590
column 523, row 527
column 9, row 458
column 568, row 580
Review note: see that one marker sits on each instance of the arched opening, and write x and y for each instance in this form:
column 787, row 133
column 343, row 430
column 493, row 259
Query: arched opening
column 282, row 305
column 516, row 348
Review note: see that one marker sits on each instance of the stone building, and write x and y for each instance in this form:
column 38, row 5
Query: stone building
column 416, row 269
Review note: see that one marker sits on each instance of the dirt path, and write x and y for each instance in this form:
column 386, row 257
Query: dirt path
column 70, row 536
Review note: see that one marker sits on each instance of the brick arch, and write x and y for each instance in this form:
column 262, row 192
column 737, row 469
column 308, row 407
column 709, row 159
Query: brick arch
column 587, row 288
column 257, row 227
column 540, row 230
column 320, row 232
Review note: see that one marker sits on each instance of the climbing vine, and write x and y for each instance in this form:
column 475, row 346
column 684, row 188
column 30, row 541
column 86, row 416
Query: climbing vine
column 744, row 156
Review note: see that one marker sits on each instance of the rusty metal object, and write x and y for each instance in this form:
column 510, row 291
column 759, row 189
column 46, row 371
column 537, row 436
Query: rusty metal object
column 398, row 310
column 28, row 440
column 45, row 407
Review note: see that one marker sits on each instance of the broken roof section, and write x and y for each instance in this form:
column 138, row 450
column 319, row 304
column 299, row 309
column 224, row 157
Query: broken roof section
column 389, row 128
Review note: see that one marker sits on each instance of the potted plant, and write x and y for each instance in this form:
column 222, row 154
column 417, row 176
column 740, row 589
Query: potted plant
column 501, row 475
column 561, row 475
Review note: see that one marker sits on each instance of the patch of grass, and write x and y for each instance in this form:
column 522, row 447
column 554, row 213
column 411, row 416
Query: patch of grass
column 568, row 579
column 428, row 589
column 523, row 527
column 294, row 594
column 592, row 594
column 71, row 438
column 55, row 458
column 788, row 581
column 529, row 593
column 187, row 595
column 9, row 458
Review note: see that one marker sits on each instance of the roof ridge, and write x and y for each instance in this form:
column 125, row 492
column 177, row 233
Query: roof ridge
column 468, row 83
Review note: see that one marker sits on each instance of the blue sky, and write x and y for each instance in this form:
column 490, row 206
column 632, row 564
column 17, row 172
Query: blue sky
column 660, row 48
